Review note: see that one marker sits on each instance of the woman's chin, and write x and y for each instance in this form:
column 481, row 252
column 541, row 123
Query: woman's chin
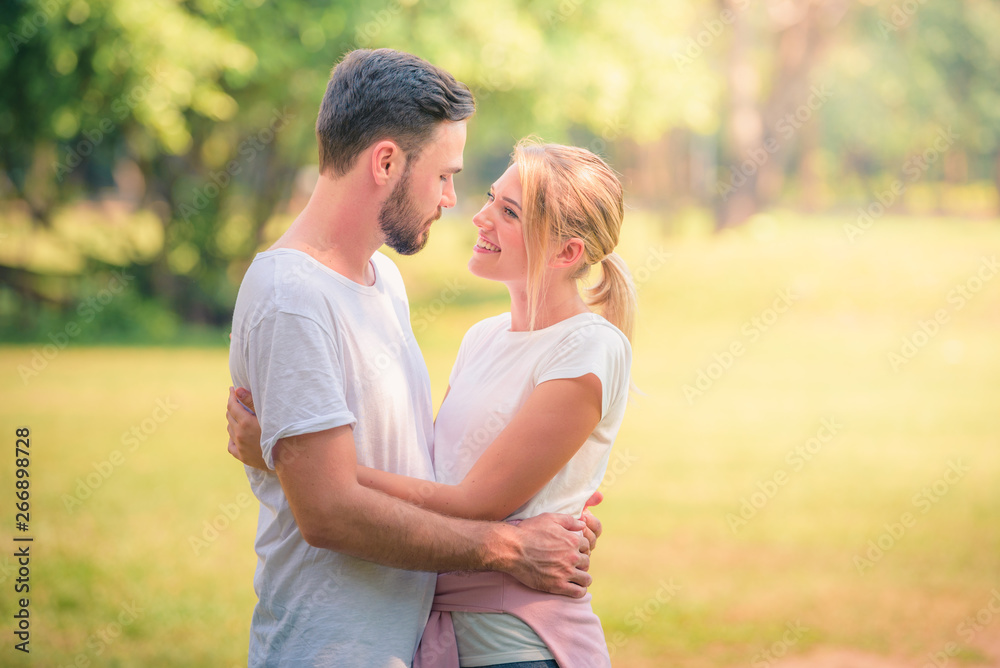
column 476, row 268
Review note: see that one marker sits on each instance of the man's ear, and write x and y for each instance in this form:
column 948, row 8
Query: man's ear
column 568, row 254
column 387, row 161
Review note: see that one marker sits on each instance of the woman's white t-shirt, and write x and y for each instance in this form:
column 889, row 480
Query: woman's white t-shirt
column 495, row 372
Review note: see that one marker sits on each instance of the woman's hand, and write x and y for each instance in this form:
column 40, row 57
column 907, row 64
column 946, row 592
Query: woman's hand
column 594, row 528
column 244, row 429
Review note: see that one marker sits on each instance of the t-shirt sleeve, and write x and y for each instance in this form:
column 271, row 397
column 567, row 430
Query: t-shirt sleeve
column 296, row 379
column 597, row 349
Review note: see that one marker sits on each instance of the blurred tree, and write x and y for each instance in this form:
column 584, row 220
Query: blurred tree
column 170, row 137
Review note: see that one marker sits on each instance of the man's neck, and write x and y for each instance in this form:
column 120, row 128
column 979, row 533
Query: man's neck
column 338, row 227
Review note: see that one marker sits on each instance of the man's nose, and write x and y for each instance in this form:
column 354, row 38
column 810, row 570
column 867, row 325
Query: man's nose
column 449, row 198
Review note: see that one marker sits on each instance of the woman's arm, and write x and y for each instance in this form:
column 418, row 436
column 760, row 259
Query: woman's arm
column 555, row 421
column 244, row 429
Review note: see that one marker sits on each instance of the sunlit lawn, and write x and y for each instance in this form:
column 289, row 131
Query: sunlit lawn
column 136, row 575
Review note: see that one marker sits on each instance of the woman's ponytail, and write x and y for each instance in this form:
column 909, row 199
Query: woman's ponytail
column 615, row 294
column 567, row 193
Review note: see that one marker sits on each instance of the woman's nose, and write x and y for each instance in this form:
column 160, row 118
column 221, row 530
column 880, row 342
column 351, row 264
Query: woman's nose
column 481, row 220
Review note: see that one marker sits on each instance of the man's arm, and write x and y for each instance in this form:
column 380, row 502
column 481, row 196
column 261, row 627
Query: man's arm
column 318, row 475
column 244, row 445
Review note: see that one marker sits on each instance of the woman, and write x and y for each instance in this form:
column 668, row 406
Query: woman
column 501, row 448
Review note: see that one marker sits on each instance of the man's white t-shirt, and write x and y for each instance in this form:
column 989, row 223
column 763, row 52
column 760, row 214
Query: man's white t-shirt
column 319, row 351
column 495, row 372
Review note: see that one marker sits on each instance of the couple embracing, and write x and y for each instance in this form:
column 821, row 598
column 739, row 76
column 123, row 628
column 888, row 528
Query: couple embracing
column 364, row 497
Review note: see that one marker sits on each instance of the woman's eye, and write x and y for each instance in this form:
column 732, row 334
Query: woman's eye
column 510, row 212
column 489, row 197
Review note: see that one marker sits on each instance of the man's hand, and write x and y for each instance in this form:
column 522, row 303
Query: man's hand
column 244, row 429
column 554, row 555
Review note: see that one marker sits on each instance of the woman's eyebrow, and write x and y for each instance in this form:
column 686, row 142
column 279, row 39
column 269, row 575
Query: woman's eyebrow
column 509, row 200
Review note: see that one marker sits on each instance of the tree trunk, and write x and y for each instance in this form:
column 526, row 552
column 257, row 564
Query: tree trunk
column 737, row 191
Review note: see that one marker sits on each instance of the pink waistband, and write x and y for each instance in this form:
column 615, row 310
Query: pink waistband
column 567, row 626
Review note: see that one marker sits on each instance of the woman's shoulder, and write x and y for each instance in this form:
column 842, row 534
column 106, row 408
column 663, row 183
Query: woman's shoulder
column 594, row 329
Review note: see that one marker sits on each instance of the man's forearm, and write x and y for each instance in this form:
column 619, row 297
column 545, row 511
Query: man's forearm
column 376, row 527
column 318, row 473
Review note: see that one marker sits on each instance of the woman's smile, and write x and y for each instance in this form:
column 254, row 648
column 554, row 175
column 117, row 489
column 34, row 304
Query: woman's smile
column 485, row 246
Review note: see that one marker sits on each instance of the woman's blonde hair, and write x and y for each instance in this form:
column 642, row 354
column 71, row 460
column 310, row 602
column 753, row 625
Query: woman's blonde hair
column 569, row 192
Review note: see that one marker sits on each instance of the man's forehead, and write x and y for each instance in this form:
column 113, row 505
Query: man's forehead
column 447, row 145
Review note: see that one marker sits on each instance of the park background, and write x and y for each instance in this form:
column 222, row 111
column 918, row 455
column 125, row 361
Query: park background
column 809, row 473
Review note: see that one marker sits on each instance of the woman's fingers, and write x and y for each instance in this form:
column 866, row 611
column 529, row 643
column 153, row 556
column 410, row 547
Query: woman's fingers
column 246, row 399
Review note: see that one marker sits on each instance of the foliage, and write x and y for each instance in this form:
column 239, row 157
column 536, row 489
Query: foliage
column 175, row 138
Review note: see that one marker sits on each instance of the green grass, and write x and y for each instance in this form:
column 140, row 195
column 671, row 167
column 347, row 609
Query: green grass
column 681, row 466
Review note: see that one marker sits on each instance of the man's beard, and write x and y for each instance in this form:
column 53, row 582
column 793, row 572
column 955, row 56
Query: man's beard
column 400, row 222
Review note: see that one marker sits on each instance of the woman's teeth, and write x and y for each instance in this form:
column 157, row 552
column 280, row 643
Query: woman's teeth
column 486, row 245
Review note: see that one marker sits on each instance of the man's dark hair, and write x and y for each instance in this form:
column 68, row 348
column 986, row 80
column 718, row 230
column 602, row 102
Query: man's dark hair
column 385, row 94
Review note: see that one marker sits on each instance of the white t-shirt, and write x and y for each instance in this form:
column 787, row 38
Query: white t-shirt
column 495, row 372
column 319, row 351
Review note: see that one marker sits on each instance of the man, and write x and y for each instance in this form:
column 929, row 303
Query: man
column 321, row 337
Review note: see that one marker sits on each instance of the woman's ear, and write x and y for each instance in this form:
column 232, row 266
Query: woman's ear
column 567, row 254
column 387, row 161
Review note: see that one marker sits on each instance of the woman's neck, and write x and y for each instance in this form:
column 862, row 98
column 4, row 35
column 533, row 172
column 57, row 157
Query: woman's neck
column 560, row 301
